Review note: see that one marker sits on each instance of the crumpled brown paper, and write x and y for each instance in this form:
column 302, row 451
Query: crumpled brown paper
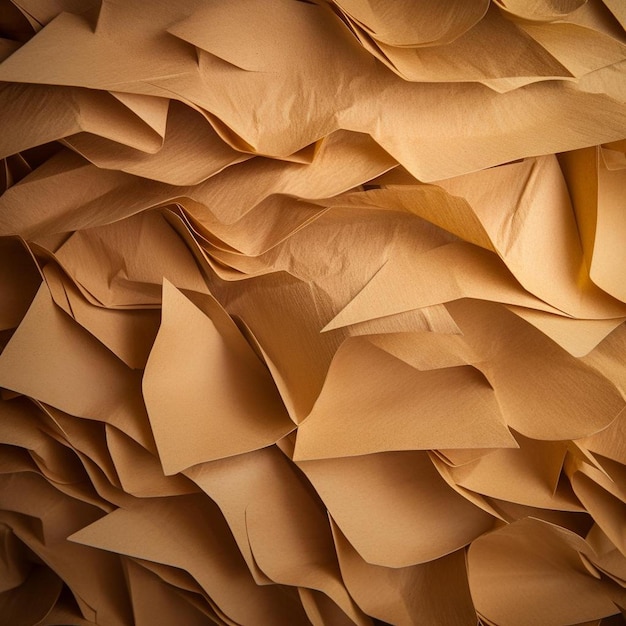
column 312, row 312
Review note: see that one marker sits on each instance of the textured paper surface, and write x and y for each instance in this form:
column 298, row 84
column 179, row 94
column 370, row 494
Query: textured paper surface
column 312, row 312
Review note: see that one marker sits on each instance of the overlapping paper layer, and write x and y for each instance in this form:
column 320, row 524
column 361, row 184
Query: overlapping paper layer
column 313, row 312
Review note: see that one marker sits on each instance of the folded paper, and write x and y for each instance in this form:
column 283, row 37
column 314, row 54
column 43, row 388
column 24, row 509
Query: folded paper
column 312, row 312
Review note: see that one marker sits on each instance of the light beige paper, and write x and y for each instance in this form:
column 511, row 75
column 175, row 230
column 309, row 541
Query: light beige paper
column 312, row 313
column 537, row 382
column 104, row 388
column 191, row 151
column 253, row 491
column 433, row 592
column 143, row 529
column 388, row 505
column 419, row 411
column 128, row 333
column 413, row 24
column 330, row 52
column 527, row 475
column 207, row 394
column 99, row 260
column 533, row 559
column 74, row 110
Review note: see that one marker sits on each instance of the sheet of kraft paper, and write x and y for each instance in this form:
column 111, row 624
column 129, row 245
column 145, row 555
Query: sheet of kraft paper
column 312, row 312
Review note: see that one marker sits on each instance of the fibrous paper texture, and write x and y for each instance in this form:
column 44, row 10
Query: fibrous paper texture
column 312, row 312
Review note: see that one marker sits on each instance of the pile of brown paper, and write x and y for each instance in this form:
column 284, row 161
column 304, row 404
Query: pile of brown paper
column 313, row 312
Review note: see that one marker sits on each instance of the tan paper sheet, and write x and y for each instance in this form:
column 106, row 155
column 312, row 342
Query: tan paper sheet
column 312, row 312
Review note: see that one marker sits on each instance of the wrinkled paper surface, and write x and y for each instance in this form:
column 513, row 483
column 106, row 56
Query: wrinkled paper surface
column 313, row 312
